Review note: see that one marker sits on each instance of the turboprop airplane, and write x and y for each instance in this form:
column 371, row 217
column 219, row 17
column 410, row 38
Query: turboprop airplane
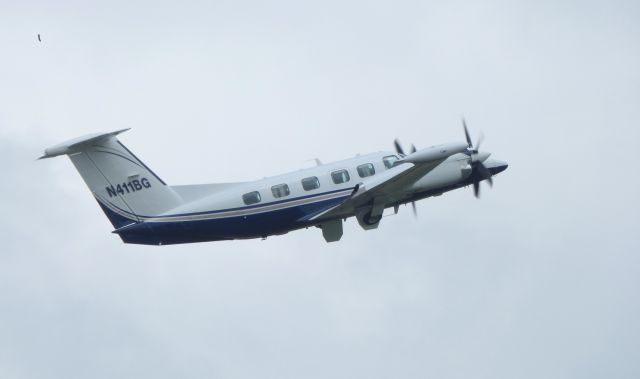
column 145, row 210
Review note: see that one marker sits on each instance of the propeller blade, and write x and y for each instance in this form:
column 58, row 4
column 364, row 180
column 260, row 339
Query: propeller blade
column 415, row 210
column 484, row 171
column 466, row 133
column 476, row 189
column 480, row 139
column 396, row 143
column 413, row 148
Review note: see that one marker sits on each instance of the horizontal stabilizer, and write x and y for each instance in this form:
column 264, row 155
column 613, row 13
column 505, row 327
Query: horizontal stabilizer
column 76, row 144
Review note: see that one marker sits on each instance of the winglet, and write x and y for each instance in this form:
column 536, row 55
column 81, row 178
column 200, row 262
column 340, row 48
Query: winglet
column 71, row 146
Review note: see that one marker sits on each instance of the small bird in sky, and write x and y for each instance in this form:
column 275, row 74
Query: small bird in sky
column 39, row 39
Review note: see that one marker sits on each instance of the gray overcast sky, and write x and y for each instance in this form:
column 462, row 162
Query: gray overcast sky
column 539, row 279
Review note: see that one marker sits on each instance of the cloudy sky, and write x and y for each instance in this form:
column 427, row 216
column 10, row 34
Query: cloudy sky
column 538, row 279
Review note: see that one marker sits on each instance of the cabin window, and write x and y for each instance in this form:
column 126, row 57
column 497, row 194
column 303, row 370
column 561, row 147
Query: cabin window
column 251, row 197
column 389, row 161
column 365, row 170
column 340, row 176
column 310, row 183
column 280, row 190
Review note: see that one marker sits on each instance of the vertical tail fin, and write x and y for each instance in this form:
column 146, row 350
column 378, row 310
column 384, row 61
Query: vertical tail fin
column 126, row 189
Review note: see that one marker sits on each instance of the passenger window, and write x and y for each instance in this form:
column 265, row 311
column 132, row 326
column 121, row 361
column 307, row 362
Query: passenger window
column 365, row 170
column 280, row 190
column 251, row 197
column 340, row 176
column 389, row 161
column 310, row 183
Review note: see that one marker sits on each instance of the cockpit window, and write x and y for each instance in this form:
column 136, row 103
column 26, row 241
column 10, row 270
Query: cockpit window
column 251, row 197
column 340, row 176
column 365, row 170
column 280, row 190
column 389, row 161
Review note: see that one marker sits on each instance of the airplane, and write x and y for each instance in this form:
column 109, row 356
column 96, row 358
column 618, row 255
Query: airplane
column 144, row 209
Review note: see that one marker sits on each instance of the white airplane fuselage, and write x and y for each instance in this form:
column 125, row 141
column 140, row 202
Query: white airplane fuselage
column 145, row 210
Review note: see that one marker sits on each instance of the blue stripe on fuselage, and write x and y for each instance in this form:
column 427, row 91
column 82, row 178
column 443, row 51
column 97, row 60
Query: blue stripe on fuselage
column 250, row 226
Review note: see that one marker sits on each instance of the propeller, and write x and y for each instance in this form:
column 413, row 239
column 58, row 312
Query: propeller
column 466, row 134
column 479, row 171
column 400, row 151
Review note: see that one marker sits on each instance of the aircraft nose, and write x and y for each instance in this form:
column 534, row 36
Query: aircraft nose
column 497, row 167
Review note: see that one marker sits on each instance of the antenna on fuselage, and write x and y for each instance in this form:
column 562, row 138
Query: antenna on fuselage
column 318, row 161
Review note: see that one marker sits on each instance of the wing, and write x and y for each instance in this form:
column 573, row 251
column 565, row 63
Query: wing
column 379, row 189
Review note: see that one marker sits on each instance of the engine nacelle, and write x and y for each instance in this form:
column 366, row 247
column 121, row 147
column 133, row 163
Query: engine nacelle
column 446, row 174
